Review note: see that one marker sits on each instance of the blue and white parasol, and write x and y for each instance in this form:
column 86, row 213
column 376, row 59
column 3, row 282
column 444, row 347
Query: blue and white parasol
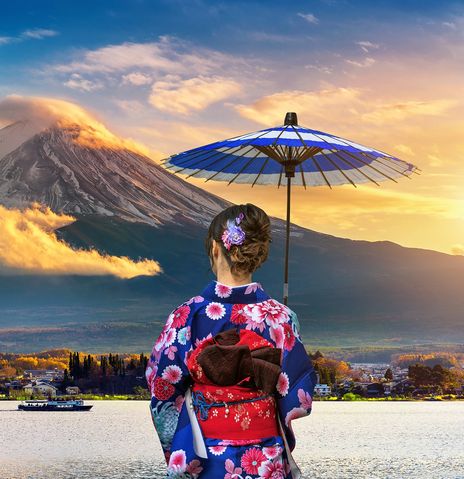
column 303, row 156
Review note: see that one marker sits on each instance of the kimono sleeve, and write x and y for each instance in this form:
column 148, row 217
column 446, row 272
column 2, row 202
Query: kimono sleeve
column 296, row 382
column 168, row 376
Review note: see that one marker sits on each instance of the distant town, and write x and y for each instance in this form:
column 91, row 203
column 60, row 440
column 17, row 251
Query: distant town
column 65, row 373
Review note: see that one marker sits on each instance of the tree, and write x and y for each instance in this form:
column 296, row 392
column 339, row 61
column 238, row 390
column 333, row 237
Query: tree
column 388, row 374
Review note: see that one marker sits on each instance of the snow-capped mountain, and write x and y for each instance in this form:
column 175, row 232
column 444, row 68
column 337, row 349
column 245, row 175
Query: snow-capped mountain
column 72, row 170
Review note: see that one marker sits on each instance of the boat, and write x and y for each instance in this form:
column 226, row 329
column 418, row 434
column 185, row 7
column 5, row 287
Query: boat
column 54, row 405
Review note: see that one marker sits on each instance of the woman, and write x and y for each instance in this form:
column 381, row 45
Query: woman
column 229, row 371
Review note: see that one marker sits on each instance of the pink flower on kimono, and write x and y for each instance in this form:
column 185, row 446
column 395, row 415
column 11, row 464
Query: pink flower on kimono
column 278, row 336
column 180, row 315
column 178, row 461
column 232, row 471
column 282, row 384
column 217, row 450
column 253, row 287
column 270, row 311
column 222, row 290
column 272, row 470
column 194, row 467
column 159, row 343
column 254, row 320
column 195, row 299
column 295, row 413
column 198, row 341
column 289, row 337
column 150, row 374
column 169, row 337
column 172, row 374
column 252, row 459
column 271, row 452
column 171, row 352
column 179, row 402
column 305, row 399
column 215, row 310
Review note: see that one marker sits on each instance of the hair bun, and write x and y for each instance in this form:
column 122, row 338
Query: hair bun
column 251, row 254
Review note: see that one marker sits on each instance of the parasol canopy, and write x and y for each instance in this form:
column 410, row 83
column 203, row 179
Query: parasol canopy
column 303, row 156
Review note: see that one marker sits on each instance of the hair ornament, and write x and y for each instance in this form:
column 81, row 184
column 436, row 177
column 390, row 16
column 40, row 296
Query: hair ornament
column 233, row 234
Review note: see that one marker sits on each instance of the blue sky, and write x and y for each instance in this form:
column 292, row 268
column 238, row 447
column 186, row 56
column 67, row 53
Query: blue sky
column 176, row 74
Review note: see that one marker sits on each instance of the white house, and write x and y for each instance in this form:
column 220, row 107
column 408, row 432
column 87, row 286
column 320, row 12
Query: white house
column 322, row 390
column 72, row 390
column 41, row 387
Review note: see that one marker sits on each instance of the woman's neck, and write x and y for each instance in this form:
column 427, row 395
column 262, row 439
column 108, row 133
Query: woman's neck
column 228, row 279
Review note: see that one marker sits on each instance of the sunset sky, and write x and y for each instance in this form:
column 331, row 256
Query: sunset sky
column 173, row 75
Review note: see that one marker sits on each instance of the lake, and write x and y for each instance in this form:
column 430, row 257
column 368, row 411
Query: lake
column 339, row 440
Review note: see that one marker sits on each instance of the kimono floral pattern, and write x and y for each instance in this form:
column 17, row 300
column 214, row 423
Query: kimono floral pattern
column 220, row 307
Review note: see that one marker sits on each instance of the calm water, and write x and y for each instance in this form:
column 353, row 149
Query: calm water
column 363, row 440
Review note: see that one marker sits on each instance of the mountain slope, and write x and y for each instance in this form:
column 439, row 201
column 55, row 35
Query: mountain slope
column 345, row 292
column 56, row 168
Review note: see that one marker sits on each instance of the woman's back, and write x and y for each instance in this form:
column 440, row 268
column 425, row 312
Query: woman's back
column 229, row 372
column 240, row 422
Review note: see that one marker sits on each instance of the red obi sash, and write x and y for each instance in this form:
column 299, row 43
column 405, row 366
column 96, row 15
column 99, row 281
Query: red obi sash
column 237, row 411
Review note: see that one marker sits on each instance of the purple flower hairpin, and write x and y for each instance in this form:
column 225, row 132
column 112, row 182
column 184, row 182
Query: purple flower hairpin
column 233, row 234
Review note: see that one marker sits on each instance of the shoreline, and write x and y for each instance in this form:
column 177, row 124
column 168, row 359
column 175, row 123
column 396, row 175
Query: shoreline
column 128, row 397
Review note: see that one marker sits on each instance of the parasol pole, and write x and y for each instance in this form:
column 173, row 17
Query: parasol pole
column 287, row 241
column 290, row 119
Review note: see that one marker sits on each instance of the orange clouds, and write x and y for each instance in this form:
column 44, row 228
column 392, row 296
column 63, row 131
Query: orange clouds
column 43, row 112
column 28, row 245
column 270, row 110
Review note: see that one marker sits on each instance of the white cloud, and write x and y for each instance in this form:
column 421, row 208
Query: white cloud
column 136, row 78
column 39, row 33
column 130, row 106
column 366, row 46
column 367, row 62
column 33, row 34
column 188, row 77
column 309, row 17
column 320, row 68
column 450, row 25
column 5, row 40
column 77, row 82
column 184, row 96
column 166, row 56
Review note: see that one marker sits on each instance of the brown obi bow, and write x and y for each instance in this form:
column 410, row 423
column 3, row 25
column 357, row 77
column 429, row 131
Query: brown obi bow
column 227, row 363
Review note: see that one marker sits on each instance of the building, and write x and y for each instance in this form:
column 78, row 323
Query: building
column 72, row 390
column 41, row 387
column 322, row 390
column 46, row 374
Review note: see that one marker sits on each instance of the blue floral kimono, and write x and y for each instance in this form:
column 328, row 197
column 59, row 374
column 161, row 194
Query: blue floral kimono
column 220, row 307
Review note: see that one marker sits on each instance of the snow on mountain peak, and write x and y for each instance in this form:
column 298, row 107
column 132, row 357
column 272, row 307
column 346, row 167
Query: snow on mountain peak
column 73, row 164
column 27, row 116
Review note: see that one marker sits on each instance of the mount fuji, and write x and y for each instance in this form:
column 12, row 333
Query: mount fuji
column 69, row 168
column 345, row 292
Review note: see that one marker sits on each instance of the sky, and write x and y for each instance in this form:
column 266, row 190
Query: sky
column 173, row 75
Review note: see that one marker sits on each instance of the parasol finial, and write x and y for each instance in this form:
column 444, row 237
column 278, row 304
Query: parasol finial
column 291, row 119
